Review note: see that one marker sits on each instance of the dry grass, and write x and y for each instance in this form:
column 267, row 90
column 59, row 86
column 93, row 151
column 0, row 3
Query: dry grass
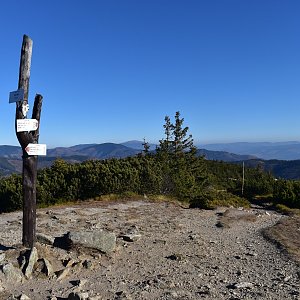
column 286, row 234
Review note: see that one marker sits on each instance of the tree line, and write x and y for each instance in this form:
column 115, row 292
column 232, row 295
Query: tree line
column 174, row 170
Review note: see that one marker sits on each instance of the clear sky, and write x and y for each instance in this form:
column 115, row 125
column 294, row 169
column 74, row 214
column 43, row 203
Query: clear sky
column 110, row 71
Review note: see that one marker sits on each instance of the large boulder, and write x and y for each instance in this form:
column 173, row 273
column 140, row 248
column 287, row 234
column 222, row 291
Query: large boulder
column 12, row 273
column 103, row 241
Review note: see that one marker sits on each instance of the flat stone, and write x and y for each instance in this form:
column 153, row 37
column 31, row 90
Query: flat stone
column 12, row 273
column 31, row 261
column 100, row 240
column 251, row 254
column 62, row 274
column 131, row 237
column 24, row 297
column 243, row 285
column 44, row 239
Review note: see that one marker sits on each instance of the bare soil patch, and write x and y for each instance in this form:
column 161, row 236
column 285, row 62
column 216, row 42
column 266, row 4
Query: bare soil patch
column 231, row 216
column 286, row 233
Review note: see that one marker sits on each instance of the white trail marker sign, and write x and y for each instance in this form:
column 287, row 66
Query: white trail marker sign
column 27, row 125
column 36, row 149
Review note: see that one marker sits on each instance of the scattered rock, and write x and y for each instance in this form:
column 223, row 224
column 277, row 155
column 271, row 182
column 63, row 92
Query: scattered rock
column 12, row 297
column 287, row 278
column 69, row 263
column 131, row 235
column 1, row 288
column 80, row 283
column 24, row 297
column 122, row 295
column 153, row 269
column 95, row 298
column 177, row 257
column 204, row 290
column 87, row 264
column 251, row 254
column 101, row 240
column 12, row 273
column 220, row 224
column 31, row 261
column 78, row 296
column 241, row 285
column 48, row 267
column 2, row 257
column 295, row 293
column 38, row 270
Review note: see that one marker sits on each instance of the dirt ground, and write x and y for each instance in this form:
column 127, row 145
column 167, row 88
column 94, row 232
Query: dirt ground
column 180, row 253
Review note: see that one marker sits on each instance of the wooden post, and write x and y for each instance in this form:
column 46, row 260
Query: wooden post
column 243, row 179
column 24, row 138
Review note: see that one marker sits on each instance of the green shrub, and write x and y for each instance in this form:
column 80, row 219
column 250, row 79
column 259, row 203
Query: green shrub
column 287, row 192
column 213, row 199
column 11, row 193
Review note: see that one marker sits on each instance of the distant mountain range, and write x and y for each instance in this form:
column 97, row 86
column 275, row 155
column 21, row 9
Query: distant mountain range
column 264, row 150
column 223, row 155
column 11, row 156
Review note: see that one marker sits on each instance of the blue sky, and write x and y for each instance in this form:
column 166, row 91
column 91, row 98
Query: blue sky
column 110, row 71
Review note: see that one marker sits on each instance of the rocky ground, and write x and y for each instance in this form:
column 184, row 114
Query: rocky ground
column 154, row 250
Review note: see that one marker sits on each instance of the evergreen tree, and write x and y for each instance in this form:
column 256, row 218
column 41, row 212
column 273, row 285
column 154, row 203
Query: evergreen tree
column 165, row 145
column 183, row 172
column 146, row 147
column 181, row 142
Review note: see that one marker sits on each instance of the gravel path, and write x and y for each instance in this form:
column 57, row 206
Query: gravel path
column 181, row 254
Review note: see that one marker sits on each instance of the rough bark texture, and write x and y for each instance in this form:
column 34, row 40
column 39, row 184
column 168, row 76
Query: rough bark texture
column 29, row 181
column 24, row 76
column 29, row 161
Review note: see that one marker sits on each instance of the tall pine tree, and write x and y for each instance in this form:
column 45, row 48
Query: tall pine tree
column 183, row 173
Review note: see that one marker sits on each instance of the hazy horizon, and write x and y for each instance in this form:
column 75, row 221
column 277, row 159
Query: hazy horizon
column 157, row 142
column 111, row 71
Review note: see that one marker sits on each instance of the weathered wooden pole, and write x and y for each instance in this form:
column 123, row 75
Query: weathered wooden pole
column 24, row 138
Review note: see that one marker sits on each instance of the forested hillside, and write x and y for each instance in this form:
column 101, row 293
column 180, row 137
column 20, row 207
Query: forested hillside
column 174, row 170
column 11, row 157
column 283, row 169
